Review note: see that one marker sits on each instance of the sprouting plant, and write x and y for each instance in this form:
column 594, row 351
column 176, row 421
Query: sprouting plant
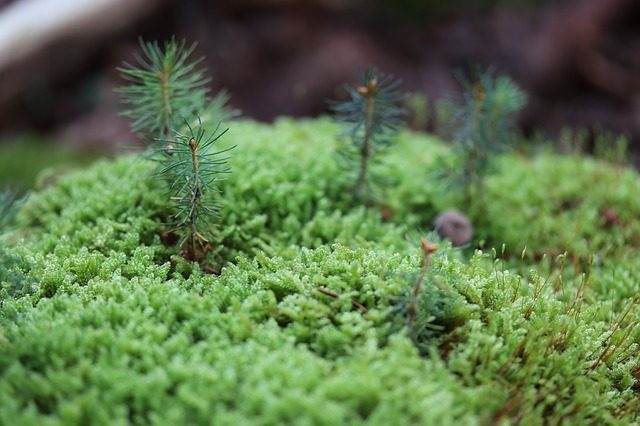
column 417, row 322
column 373, row 115
column 427, row 308
column 12, row 276
column 165, row 88
column 165, row 93
column 192, row 165
column 483, row 122
column 9, row 205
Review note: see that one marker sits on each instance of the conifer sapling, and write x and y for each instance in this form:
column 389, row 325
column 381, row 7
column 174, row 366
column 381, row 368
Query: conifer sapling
column 191, row 165
column 9, row 205
column 165, row 87
column 373, row 115
column 484, row 120
column 165, row 93
column 426, row 307
column 12, row 267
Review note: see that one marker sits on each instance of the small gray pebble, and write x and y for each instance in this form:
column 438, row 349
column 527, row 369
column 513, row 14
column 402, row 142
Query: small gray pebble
column 454, row 226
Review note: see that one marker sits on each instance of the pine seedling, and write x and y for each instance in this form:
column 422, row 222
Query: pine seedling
column 426, row 308
column 484, row 122
column 373, row 115
column 420, row 322
column 9, row 205
column 12, row 276
column 192, row 165
column 165, row 87
column 166, row 91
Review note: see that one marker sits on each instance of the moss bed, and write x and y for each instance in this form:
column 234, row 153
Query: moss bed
column 109, row 326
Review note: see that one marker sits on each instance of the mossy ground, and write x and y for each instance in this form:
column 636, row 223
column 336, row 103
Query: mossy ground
column 116, row 329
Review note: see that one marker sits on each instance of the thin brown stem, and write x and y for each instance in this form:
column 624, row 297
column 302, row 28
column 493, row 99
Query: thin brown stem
column 165, row 103
column 368, row 92
column 335, row 295
column 195, row 197
column 427, row 250
column 474, row 181
column 365, row 150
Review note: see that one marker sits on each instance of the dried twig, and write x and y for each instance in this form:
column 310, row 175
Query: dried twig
column 335, row 295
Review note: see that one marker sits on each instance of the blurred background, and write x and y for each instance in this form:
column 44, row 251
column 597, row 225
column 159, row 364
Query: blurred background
column 579, row 61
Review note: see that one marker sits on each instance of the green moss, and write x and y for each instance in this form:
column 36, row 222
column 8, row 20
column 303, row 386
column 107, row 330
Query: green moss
column 547, row 348
column 288, row 189
column 301, row 325
column 553, row 204
column 257, row 344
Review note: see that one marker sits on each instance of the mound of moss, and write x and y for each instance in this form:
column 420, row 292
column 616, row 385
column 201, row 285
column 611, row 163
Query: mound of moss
column 306, row 322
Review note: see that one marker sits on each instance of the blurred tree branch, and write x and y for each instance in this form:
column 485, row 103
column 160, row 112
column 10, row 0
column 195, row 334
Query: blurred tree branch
column 27, row 26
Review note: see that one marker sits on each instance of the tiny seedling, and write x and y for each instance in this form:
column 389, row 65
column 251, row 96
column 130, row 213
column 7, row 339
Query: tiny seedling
column 483, row 120
column 428, row 309
column 192, row 165
column 165, row 87
column 373, row 114
column 12, row 274
column 420, row 325
column 9, row 205
column 166, row 91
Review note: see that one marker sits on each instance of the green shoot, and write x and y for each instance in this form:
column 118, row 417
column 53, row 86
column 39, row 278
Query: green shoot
column 167, row 90
column 12, row 274
column 373, row 115
column 428, row 309
column 484, row 121
column 9, row 205
column 192, row 165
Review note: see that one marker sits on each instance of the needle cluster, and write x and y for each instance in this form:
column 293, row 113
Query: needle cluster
column 372, row 115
